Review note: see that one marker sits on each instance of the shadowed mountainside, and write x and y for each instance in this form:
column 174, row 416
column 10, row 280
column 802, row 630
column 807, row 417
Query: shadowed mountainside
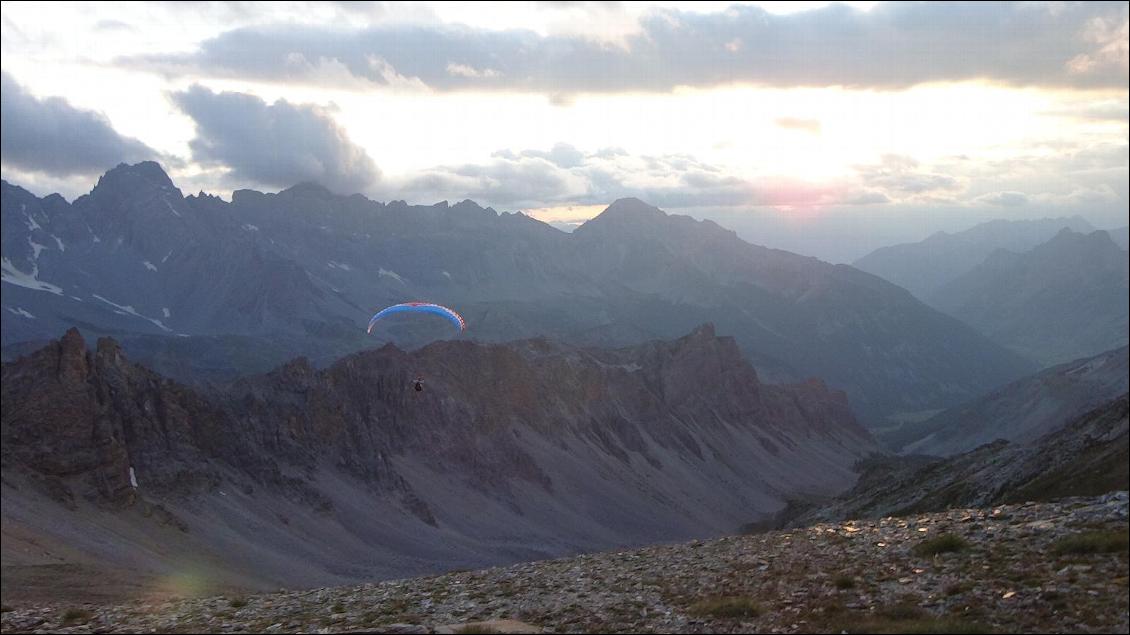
column 302, row 477
column 1087, row 457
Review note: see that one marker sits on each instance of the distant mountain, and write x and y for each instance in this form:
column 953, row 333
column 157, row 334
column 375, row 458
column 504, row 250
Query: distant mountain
column 300, row 477
column 924, row 267
column 1087, row 457
column 1064, row 299
column 301, row 271
column 1120, row 236
column 1021, row 411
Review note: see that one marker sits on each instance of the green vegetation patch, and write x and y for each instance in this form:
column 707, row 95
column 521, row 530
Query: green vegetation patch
column 726, row 607
column 945, row 543
column 72, row 617
column 1093, row 542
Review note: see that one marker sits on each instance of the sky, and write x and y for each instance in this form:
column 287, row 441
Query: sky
column 825, row 128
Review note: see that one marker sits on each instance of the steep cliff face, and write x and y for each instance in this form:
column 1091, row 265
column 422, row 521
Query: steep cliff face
column 515, row 450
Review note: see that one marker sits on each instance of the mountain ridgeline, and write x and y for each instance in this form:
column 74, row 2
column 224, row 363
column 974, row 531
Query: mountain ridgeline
column 926, row 266
column 302, row 477
column 1022, row 411
column 197, row 287
column 1062, row 300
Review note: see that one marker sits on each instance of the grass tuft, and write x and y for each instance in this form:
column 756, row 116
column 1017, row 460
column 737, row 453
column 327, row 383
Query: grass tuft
column 725, row 607
column 946, row 543
column 76, row 616
column 1092, row 542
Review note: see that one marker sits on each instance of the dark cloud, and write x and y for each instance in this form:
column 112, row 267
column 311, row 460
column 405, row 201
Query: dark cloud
column 894, row 45
column 52, row 136
column 277, row 144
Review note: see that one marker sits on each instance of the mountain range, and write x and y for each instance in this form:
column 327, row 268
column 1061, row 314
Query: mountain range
column 199, row 288
column 1062, row 300
column 925, row 266
column 302, row 477
column 1021, row 411
column 1085, row 456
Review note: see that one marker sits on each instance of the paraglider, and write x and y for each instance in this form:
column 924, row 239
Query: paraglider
column 419, row 307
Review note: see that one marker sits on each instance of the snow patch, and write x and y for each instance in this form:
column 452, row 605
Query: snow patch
column 150, row 266
column 167, row 256
column 333, row 264
column 170, row 206
column 11, row 275
column 21, row 312
column 96, row 238
column 249, row 227
column 129, row 310
column 132, row 477
column 166, row 312
column 447, row 274
column 59, row 242
column 31, row 224
column 391, row 274
column 35, row 247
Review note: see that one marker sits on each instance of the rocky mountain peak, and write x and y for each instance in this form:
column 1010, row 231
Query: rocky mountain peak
column 307, row 189
column 72, row 363
column 144, row 175
column 629, row 210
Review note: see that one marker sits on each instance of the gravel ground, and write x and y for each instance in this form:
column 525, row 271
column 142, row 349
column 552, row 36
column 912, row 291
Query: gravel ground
column 1048, row 567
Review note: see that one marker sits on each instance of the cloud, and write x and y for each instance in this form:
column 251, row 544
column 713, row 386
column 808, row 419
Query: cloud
column 565, row 175
column 1003, row 199
column 562, row 155
column 891, row 46
column 277, row 144
column 51, row 136
column 796, row 123
column 900, row 177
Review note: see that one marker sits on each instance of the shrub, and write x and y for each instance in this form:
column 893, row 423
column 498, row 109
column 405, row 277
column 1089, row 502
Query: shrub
column 945, row 543
column 76, row 616
column 725, row 607
column 1092, row 542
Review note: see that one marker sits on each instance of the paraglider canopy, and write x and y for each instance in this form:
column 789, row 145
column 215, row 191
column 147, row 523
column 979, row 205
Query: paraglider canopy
column 419, row 307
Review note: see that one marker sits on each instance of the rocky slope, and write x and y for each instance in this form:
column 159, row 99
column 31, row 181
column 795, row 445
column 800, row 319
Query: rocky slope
column 1052, row 567
column 1065, row 299
column 266, row 277
column 1088, row 456
column 1022, row 411
column 514, row 451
